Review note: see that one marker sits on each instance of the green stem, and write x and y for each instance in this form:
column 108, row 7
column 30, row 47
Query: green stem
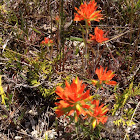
column 76, row 130
column 51, row 53
column 61, row 42
column 86, row 39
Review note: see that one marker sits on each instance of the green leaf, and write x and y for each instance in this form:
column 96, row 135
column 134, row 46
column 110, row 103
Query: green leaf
column 75, row 39
column 34, row 82
column 77, row 50
column 36, row 30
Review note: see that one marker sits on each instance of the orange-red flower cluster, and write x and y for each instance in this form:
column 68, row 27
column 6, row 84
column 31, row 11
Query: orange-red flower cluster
column 47, row 41
column 88, row 12
column 75, row 100
column 99, row 35
column 57, row 18
column 104, row 76
column 99, row 113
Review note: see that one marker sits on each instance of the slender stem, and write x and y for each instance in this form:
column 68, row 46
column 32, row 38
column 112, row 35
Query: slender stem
column 82, row 63
column 58, row 42
column 131, row 27
column 83, row 53
column 61, row 30
column 76, row 130
column 51, row 53
column 136, row 43
column 131, row 18
column 87, row 28
column 50, row 14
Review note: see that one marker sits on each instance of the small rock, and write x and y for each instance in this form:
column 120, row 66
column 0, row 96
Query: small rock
column 50, row 134
column 34, row 134
column 18, row 137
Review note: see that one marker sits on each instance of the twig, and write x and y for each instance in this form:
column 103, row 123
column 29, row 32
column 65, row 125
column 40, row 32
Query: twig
column 134, row 73
column 132, row 118
column 119, row 35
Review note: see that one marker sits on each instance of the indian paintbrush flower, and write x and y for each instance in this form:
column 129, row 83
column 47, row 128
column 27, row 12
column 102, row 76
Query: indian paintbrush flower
column 104, row 77
column 88, row 12
column 99, row 35
column 98, row 113
column 47, row 41
column 73, row 99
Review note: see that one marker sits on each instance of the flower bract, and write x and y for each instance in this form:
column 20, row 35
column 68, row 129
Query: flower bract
column 98, row 113
column 47, row 41
column 73, row 99
column 88, row 12
column 104, row 76
column 99, row 35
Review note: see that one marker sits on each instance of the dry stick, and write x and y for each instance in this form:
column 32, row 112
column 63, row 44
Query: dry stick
column 119, row 36
column 111, row 54
column 116, row 38
column 132, row 118
column 130, row 77
column 24, row 133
